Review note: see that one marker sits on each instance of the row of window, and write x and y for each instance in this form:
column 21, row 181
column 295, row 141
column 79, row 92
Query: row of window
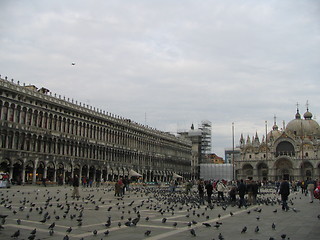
column 52, row 146
column 124, row 136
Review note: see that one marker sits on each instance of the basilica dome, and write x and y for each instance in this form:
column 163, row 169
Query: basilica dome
column 304, row 127
column 274, row 133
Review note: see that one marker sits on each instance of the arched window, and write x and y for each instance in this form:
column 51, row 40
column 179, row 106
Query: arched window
column 29, row 117
column 5, row 112
column 17, row 115
column 11, row 113
column 285, row 148
column 23, row 116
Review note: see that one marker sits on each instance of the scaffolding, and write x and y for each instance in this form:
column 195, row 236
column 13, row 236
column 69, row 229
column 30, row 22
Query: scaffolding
column 205, row 128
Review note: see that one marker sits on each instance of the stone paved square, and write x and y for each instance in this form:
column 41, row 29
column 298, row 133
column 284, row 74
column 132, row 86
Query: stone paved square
column 159, row 211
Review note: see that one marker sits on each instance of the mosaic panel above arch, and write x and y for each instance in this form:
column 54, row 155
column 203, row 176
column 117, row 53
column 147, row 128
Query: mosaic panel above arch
column 29, row 164
column 283, row 163
column 5, row 161
column 50, row 165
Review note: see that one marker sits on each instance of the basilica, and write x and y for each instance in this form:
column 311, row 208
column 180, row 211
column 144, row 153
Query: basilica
column 292, row 152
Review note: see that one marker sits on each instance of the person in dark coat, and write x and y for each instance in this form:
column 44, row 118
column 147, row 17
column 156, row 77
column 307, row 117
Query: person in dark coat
column 209, row 189
column 75, row 193
column 255, row 190
column 125, row 182
column 284, row 192
column 233, row 193
column 201, row 191
column 44, row 181
column 242, row 189
column 250, row 191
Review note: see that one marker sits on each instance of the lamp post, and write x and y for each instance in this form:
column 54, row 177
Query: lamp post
column 233, row 173
column 266, row 124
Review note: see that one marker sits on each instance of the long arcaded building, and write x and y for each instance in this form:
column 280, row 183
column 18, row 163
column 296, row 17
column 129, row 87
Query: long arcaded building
column 48, row 136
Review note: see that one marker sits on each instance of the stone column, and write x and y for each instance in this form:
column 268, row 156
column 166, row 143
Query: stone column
column 23, row 174
column 94, row 175
column 55, row 174
column 34, row 176
column 255, row 174
column 80, row 172
column 34, row 173
column 11, row 170
column 101, row 174
column 88, row 171
column 45, row 171
column 72, row 171
column 2, row 112
column 1, row 139
column 63, row 176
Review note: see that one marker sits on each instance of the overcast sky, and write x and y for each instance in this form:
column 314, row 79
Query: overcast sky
column 170, row 63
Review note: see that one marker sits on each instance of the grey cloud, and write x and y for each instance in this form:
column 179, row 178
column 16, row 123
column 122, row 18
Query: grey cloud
column 169, row 63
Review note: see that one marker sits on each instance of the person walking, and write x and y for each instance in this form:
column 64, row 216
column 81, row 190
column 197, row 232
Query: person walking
column 304, row 187
column 209, row 189
column 316, row 192
column 221, row 188
column 284, row 192
column 44, row 180
column 242, row 189
column 201, row 191
column 125, row 185
column 75, row 193
column 250, row 191
column 188, row 187
column 118, row 188
column 311, row 185
column 255, row 190
column 232, row 194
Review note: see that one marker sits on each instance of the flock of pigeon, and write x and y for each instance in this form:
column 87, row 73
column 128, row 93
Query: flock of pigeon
column 52, row 207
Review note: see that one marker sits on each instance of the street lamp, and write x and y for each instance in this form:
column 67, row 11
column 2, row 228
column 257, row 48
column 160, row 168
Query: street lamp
column 233, row 173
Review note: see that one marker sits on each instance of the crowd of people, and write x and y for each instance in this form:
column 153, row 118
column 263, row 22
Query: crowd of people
column 121, row 186
column 248, row 190
column 226, row 191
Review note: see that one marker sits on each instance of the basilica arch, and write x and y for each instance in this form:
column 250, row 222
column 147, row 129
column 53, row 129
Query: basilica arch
column 283, row 169
column 247, row 171
column 263, row 171
column 307, row 170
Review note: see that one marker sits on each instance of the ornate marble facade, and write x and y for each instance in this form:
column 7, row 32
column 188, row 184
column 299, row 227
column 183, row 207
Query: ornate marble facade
column 293, row 151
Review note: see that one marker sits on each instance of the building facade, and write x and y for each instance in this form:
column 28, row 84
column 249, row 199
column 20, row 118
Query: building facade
column 292, row 152
column 46, row 136
column 195, row 136
column 201, row 146
column 232, row 155
column 206, row 139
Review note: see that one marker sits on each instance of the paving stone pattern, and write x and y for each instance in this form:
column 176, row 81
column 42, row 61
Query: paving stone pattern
column 150, row 213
